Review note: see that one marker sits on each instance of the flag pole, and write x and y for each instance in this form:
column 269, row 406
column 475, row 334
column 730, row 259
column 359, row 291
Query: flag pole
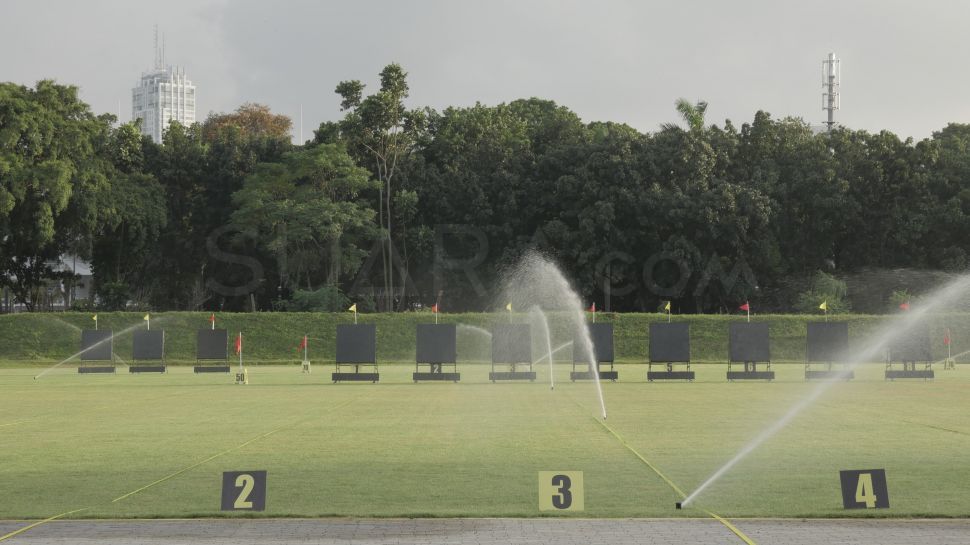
column 668, row 312
column 748, row 304
column 306, row 348
column 355, row 314
column 594, row 311
column 240, row 350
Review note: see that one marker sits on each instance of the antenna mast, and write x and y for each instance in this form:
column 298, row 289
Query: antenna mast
column 157, row 63
column 831, row 80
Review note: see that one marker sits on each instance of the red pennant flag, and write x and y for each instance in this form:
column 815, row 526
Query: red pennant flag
column 303, row 343
column 904, row 306
column 212, row 318
column 434, row 308
column 238, row 343
column 592, row 308
column 745, row 307
column 946, row 337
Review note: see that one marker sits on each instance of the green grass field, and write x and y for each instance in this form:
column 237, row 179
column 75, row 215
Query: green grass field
column 472, row 448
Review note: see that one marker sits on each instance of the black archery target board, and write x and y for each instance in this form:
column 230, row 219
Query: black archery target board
column 356, row 343
column 148, row 345
column 511, row 343
column 96, row 345
column 827, row 342
column 748, row 342
column 670, row 342
column 601, row 336
column 212, row 344
column 911, row 345
column 437, row 343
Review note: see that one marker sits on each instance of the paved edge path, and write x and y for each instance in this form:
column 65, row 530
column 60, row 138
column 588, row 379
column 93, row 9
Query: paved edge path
column 487, row 531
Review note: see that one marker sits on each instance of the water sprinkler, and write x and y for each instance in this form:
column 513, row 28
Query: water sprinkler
column 679, row 505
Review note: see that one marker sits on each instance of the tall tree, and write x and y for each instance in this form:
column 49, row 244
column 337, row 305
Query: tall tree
column 51, row 174
column 253, row 121
column 381, row 132
column 134, row 211
column 692, row 114
column 304, row 209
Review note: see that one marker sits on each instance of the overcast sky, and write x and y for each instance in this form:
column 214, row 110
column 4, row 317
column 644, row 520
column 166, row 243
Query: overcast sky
column 904, row 63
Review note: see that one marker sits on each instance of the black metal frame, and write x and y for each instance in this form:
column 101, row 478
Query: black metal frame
column 212, row 368
column 84, row 369
column 162, row 368
column 909, row 370
column 670, row 373
column 513, row 373
column 611, row 375
column 436, row 372
column 828, row 373
column 356, row 376
column 751, row 371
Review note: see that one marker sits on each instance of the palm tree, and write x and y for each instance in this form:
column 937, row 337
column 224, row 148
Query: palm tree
column 693, row 115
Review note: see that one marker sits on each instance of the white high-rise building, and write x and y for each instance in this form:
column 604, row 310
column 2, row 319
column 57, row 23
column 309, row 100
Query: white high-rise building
column 163, row 94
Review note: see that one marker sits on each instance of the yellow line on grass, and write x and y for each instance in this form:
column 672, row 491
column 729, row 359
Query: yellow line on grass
column 17, row 422
column 642, row 459
column 177, row 473
column 227, row 451
column 38, row 523
column 670, row 483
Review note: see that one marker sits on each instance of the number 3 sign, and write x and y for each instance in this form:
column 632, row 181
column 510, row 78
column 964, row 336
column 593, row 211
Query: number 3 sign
column 561, row 491
column 244, row 491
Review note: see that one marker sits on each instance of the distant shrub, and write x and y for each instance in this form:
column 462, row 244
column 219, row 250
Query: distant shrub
column 329, row 298
column 82, row 305
column 113, row 295
column 825, row 288
column 899, row 297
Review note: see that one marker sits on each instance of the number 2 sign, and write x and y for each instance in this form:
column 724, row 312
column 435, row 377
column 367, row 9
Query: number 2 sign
column 244, row 491
column 561, row 491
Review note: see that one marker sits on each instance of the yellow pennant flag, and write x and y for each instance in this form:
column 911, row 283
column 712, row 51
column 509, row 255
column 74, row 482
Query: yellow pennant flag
column 353, row 308
column 667, row 306
column 508, row 307
column 824, row 305
column 145, row 318
column 95, row 317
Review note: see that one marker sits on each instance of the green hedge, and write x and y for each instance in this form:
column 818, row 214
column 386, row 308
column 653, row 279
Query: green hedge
column 274, row 337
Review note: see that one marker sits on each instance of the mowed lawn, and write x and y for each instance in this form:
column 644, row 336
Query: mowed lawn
column 473, row 448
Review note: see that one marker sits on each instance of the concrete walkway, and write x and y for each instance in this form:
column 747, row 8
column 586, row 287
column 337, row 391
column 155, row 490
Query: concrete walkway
column 487, row 531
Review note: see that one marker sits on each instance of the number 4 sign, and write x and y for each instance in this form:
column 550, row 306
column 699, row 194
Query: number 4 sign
column 561, row 491
column 244, row 491
column 864, row 489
